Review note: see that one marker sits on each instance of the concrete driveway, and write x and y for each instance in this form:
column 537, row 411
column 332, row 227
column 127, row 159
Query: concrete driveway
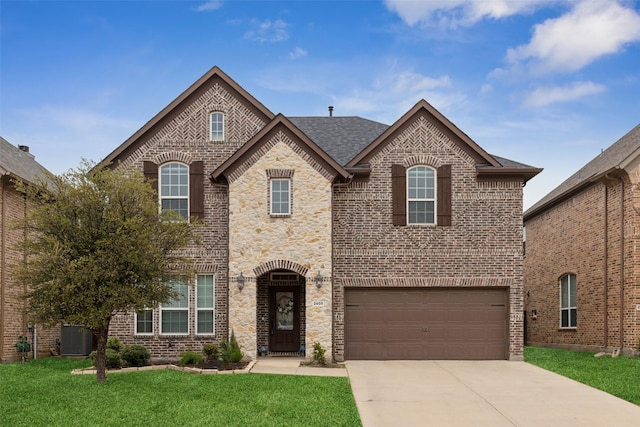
column 479, row 393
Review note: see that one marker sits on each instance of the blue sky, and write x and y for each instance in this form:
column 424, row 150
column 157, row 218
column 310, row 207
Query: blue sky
column 549, row 83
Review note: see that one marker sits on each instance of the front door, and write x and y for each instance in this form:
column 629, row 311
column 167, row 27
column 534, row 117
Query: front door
column 284, row 314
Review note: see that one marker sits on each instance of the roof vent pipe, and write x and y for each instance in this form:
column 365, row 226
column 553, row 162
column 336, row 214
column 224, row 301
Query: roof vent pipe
column 330, row 110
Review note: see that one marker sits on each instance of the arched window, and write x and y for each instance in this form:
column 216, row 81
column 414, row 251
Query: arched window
column 174, row 188
column 421, row 195
column 216, row 126
column 568, row 306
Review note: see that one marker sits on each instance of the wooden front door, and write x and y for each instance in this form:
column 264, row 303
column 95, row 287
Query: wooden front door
column 284, row 314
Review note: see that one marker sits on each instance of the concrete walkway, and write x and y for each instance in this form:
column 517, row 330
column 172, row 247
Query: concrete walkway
column 291, row 366
column 479, row 393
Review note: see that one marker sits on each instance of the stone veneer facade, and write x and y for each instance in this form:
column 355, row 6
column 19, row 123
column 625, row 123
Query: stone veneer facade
column 302, row 239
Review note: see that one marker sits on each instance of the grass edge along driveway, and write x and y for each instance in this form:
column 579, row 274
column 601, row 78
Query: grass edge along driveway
column 43, row 392
column 618, row 376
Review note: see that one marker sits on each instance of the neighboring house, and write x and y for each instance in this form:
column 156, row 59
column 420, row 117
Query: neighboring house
column 582, row 265
column 16, row 163
column 376, row 241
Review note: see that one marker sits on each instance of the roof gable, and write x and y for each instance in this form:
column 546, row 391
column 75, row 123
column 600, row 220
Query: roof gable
column 214, row 75
column 618, row 157
column 279, row 123
column 443, row 124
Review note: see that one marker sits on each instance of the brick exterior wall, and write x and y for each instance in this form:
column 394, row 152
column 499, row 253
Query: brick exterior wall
column 184, row 137
column 482, row 247
column 13, row 320
column 585, row 235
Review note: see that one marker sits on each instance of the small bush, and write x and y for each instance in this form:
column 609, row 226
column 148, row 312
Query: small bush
column 211, row 351
column 114, row 343
column 190, row 358
column 318, row 353
column 230, row 350
column 112, row 358
column 136, row 355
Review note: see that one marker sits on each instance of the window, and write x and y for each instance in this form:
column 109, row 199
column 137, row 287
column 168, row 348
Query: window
column 421, row 195
column 174, row 188
column 144, row 322
column 217, row 126
column 204, row 304
column 174, row 316
column 568, row 312
column 280, row 197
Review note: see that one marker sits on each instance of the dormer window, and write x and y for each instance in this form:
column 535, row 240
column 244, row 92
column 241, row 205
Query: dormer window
column 216, row 126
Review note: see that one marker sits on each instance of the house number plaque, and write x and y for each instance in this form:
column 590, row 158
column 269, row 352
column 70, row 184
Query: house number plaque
column 318, row 304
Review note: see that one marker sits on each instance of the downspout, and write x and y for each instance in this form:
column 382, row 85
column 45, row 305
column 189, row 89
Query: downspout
column 622, row 277
column 606, row 267
column 25, row 304
column 3, row 269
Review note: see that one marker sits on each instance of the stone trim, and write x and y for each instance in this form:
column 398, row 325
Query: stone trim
column 428, row 282
column 280, row 264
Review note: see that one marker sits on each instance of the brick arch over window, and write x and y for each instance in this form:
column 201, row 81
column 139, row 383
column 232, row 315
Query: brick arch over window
column 422, row 159
column 280, row 264
column 173, row 156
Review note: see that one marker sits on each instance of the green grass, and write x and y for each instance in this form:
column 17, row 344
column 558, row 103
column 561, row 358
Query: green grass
column 44, row 393
column 619, row 377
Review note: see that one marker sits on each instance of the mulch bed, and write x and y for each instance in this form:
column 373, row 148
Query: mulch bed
column 216, row 364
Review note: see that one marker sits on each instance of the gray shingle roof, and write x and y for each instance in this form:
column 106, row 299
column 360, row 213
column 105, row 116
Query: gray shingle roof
column 19, row 164
column 616, row 156
column 340, row 137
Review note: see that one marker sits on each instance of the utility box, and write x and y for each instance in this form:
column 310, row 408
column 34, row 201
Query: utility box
column 75, row 341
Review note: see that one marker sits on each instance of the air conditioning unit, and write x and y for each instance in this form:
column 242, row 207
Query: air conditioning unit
column 75, row 340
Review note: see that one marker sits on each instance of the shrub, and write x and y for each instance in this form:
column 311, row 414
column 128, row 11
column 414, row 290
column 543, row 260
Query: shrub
column 190, row 358
column 114, row 343
column 136, row 355
column 230, row 350
column 112, row 358
column 318, row 353
column 211, row 351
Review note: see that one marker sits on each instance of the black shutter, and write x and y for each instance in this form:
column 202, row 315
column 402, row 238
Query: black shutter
column 399, row 194
column 444, row 195
column 196, row 189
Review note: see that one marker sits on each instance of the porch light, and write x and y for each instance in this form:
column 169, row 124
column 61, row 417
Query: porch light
column 240, row 281
column 318, row 280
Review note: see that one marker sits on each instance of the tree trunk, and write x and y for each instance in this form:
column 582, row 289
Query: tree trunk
column 101, row 361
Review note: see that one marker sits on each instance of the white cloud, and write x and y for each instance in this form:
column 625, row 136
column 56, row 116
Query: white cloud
column 592, row 29
column 298, row 52
column 550, row 95
column 268, row 31
column 209, row 6
column 451, row 13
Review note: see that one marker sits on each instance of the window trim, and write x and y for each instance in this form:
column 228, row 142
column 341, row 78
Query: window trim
column 212, row 308
column 188, row 186
column 569, row 307
column 135, row 323
column 433, row 200
column 164, row 308
column 271, row 201
column 221, row 134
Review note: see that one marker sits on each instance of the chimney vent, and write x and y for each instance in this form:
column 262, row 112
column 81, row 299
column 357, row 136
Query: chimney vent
column 330, row 110
column 24, row 148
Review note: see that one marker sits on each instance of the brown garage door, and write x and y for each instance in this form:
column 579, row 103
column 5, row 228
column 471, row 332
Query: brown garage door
column 437, row 324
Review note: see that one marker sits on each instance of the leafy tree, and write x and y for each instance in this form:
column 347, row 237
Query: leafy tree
column 97, row 245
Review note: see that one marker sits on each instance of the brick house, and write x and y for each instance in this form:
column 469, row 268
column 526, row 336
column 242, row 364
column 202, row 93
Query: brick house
column 582, row 269
column 376, row 241
column 16, row 163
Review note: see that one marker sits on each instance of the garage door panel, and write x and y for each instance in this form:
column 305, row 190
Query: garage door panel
column 425, row 324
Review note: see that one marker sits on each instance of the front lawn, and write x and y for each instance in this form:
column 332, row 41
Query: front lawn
column 619, row 377
column 44, row 392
